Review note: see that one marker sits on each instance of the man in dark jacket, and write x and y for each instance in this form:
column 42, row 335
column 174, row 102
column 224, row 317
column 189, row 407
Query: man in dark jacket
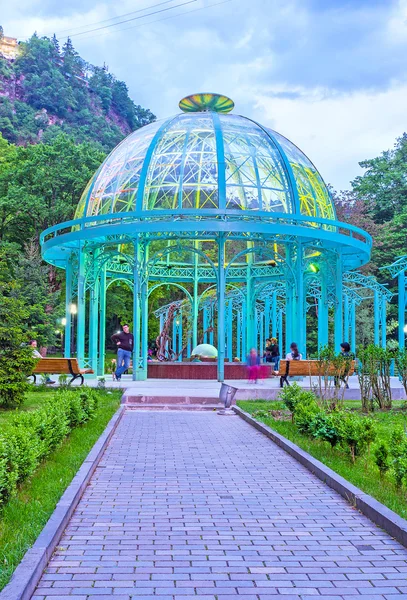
column 125, row 343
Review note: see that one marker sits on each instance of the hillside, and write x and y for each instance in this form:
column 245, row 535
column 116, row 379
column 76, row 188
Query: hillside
column 46, row 90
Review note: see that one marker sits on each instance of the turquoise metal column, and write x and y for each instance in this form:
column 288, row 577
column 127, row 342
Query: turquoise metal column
column 189, row 347
column 221, row 307
column 353, row 326
column 93, row 324
column 323, row 314
column 195, row 308
column 289, row 291
column 102, row 321
column 251, row 338
column 279, row 332
column 68, row 302
column 229, row 335
column 346, row 318
column 274, row 315
column 305, row 332
column 136, row 313
column 243, row 330
column 383, row 319
column 401, row 308
column 80, row 344
column 239, row 334
column 260, row 316
column 299, row 304
column 174, row 333
column 268, row 327
column 144, row 325
column 376, row 312
column 179, row 332
column 338, row 312
column 205, row 324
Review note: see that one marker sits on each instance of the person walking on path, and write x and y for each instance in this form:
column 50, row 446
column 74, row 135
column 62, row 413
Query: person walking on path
column 347, row 354
column 124, row 342
column 253, row 366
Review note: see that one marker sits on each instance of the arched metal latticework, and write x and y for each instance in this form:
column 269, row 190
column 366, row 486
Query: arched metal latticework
column 226, row 208
column 399, row 269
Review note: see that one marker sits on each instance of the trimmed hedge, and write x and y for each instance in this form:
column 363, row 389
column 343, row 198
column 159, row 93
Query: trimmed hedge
column 339, row 428
column 31, row 436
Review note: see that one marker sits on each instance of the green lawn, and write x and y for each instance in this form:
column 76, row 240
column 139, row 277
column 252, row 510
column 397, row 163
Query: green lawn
column 364, row 474
column 32, row 401
column 22, row 519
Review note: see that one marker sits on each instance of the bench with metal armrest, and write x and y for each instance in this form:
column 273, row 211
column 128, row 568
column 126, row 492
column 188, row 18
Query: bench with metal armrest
column 307, row 368
column 58, row 366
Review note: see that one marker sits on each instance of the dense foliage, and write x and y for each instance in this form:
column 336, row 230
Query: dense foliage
column 16, row 359
column 47, row 90
column 31, row 436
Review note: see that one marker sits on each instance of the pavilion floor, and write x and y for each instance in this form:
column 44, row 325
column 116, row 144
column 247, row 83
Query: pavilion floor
column 209, row 389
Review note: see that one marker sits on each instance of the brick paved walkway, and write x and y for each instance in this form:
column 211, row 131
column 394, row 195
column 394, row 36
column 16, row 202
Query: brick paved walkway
column 195, row 505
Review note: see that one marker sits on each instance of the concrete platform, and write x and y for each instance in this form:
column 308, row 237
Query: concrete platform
column 268, row 389
column 207, row 390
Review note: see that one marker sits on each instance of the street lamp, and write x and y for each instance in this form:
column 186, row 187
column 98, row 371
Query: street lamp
column 63, row 333
column 73, row 309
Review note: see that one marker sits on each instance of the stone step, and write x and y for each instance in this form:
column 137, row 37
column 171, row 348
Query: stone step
column 160, row 407
column 139, row 399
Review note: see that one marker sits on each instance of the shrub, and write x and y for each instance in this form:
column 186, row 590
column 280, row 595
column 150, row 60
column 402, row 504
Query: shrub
column 306, row 411
column 374, row 376
column 401, row 364
column 63, row 380
column 294, row 395
column 357, row 433
column 400, row 470
column 382, row 458
column 398, row 443
column 16, row 360
column 291, row 395
column 324, row 426
column 31, row 436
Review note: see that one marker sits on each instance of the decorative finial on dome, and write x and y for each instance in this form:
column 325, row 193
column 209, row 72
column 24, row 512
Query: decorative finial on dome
column 206, row 103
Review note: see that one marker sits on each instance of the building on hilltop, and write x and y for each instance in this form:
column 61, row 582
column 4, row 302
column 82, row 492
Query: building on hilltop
column 9, row 47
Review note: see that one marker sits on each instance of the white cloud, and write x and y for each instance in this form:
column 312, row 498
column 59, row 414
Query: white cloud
column 337, row 131
column 344, row 60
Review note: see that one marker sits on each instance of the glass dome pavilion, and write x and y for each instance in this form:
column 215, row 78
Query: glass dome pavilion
column 224, row 208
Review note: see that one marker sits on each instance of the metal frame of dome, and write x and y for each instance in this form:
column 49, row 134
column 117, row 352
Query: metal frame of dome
column 198, row 193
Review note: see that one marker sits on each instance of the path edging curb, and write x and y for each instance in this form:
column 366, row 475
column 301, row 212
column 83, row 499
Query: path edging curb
column 29, row 571
column 382, row 516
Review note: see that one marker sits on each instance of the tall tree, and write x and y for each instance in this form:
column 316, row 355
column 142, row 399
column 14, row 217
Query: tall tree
column 383, row 187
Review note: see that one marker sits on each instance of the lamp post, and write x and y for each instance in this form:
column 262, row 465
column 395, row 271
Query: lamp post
column 63, row 323
column 73, row 309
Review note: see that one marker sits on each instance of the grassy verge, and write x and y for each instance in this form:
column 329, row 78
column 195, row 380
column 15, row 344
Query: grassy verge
column 32, row 401
column 364, row 474
column 24, row 516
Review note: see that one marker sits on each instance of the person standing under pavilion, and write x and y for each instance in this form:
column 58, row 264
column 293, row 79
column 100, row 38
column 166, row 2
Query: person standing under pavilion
column 125, row 343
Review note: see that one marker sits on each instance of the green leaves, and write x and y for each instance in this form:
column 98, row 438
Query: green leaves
column 31, row 436
column 52, row 84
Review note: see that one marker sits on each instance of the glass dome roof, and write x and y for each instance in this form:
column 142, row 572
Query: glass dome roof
column 206, row 161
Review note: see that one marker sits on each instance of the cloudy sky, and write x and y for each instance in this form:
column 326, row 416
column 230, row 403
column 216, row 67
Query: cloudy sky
column 331, row 75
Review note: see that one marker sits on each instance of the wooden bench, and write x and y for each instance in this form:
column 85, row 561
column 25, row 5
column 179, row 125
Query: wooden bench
column 58, row 366
column 309, row 368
